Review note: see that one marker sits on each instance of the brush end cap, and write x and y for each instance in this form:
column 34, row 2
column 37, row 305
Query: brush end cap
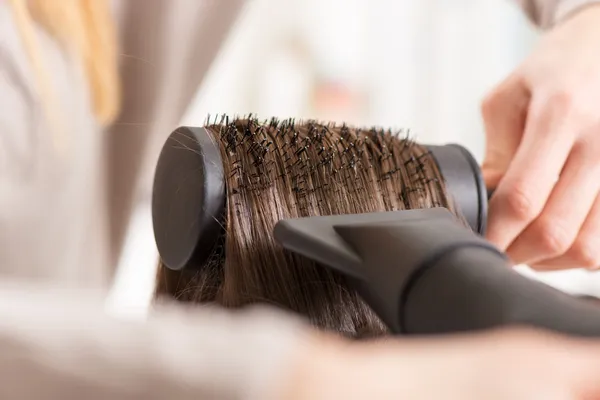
column 188, row 199
column 464, row 181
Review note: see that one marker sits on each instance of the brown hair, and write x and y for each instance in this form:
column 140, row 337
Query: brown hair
column 280, row 170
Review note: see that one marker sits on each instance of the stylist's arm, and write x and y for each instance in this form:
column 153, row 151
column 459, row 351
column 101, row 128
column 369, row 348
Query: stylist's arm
column 69, row 348
column 543, row 150
column 515, row 365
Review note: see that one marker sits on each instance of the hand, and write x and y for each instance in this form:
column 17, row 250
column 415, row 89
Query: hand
column 503, row 365
column 543, row 151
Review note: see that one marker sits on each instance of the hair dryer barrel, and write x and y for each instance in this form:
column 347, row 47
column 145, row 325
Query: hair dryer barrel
column 472, row 288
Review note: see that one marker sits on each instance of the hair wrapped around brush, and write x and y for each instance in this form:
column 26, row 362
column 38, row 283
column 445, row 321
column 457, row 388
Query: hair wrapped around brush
column 286, row 169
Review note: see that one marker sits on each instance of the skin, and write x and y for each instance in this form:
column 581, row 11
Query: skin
column 543, row 151
column 515, row 365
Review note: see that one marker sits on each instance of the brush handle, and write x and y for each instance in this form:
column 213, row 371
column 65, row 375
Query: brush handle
column 473, row 288
column 464, row 182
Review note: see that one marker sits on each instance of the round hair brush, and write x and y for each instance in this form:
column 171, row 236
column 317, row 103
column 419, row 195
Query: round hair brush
column 189, row 194
column 421, row 271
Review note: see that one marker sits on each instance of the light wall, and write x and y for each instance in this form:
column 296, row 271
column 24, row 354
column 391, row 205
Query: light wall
column 422, row 64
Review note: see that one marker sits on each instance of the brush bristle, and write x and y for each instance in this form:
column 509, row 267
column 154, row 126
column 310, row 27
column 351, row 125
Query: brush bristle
column 279, row 149
column 287, row 168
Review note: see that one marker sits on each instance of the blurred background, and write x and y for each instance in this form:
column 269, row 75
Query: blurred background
column 418, row 64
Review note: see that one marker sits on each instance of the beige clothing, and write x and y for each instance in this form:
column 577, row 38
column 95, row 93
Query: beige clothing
column 52, row 216
column 63, row 219
column 59, row 345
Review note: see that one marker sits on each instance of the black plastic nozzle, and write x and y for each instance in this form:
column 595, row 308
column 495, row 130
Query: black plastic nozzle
column 424, row 273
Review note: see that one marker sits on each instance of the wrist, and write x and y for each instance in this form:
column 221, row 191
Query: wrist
column 317, row 369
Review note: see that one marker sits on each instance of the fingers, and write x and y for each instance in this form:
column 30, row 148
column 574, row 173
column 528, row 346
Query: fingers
column 584, row 252
column 504, row 112
column 532, row 174
column 553, row 232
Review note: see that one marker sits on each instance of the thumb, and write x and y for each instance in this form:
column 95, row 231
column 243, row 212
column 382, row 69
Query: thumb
column 504, row 113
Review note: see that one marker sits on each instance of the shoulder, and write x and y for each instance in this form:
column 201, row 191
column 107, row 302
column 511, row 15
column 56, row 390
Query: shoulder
column 19, row 108
column 25, row 140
